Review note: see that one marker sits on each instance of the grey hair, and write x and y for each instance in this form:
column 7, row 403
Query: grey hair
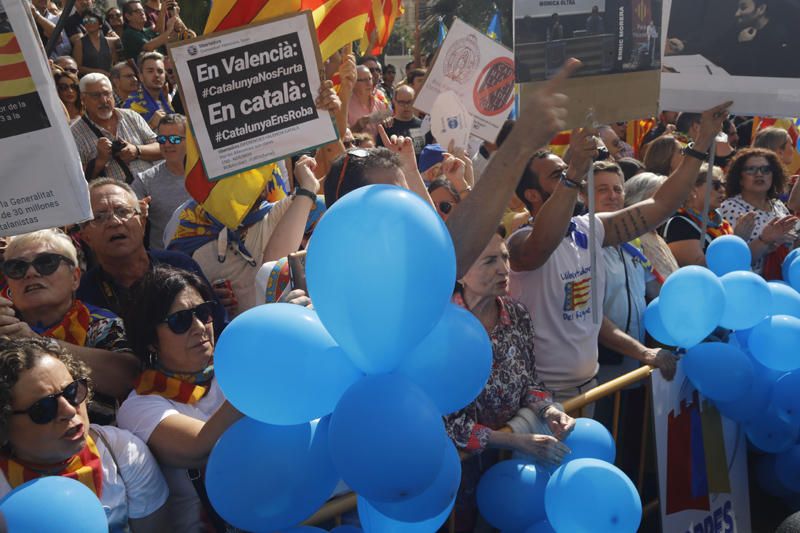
column 642, row 187
column 94, row 77
column 771, row 138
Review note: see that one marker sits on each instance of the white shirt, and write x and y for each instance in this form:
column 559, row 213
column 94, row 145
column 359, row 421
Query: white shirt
column 558, row 296
column 133, row 486
column 141, row 415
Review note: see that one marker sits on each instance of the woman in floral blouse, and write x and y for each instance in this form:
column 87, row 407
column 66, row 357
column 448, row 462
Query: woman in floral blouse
column 513, row 395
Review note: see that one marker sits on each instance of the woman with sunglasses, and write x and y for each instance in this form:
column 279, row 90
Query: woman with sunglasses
column 45, row 431
column 444, row 196
column 513, row 397
column 69, row 93
column 94, row 52
column 756, row 179
column 41, row 269
column 682, row 231
column 176, row 407
column 115, row 20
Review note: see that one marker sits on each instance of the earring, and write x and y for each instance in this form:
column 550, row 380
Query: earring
column 152, row 358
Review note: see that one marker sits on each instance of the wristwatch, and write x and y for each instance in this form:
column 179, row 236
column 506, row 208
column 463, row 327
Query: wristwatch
column 299, row 191
column 691, row 152
column 570, row 183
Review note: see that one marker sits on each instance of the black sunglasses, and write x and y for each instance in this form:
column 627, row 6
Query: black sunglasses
column 179, row 322
column 45, row 409
column 45, row 264
column 445, row 207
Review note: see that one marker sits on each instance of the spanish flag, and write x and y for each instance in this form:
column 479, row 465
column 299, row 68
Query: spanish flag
column 337, row 22
column 382, row 16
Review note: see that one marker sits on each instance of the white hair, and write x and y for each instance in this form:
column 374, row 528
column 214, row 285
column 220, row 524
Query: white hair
column 642, row 186
column 94, row 77
column 56, row 238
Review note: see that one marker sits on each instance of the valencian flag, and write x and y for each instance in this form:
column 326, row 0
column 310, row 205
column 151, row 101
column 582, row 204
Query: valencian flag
column 337, row 22
column 382, row 16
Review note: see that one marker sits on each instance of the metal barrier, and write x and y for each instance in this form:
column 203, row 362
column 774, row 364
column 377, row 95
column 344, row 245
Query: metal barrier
column 335, row 507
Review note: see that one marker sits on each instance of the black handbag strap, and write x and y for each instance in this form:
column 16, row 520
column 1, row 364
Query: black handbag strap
column 216, row 521
column 123, row 165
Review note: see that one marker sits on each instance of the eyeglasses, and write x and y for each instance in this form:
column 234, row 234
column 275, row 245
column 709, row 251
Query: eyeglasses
column 766, row 169
column 45, row 409
column 70, row 70
column 171, row 139
column 122, row 213
column 445, row 207
column 45, row 264
column 404, row 102
column 67, row 87
column 90, row 20
column 179, row 322
column 357, row 153
column 100, row 94
column 114, row 15
column 376, row 69
column 365, row 80
column 129, row 76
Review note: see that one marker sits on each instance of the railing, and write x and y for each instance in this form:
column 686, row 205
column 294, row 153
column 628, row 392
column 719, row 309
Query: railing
column 335, row 508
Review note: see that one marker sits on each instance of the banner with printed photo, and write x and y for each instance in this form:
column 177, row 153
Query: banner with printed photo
column 250, row 93
column 746, row 51
column 617, row 41
column 702, row 461
column 42, row 179
column 477, row 69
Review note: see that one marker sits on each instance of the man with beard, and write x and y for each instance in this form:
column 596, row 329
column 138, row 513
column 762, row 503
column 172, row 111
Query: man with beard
column 151, row 100
column 112, row 142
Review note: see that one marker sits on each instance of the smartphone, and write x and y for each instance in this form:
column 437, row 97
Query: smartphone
column 297, row 270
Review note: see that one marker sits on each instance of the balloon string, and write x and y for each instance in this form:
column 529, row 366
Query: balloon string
column 707, row 200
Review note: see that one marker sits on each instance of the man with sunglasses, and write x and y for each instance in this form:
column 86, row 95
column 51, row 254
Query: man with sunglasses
column 151, row 100
column 163, row 182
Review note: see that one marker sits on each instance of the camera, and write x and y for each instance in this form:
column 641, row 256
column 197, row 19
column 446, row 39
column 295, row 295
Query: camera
column 117, row 145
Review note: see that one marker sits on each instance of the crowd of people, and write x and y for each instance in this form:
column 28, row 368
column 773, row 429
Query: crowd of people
column 107, row 329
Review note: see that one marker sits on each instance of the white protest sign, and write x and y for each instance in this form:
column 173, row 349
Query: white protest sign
column 480, row 71
column 43, row 183
column 250, row 93
column 450, row 121
column 714, row 54
column 702, row 461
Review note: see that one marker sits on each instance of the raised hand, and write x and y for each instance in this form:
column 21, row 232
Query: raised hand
column 304, row 173
column 327, row 99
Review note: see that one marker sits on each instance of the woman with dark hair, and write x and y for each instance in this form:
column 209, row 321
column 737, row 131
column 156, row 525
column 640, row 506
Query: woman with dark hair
column 176, row 407
column 69, row 92
column 663, row 155
column 94, row 52
column 45, row 431
column 513, row 397
column 755, row 180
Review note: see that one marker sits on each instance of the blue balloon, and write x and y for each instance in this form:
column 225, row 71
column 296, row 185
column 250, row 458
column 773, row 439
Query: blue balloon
column 434, row 499
column 592, row 495
column 655, row 326
column 387, row 438
column 691, row 304
column 748, row 300
column 541, row 527
column 347, row 529
column 727, row 254
column 511, row 494
column 53, row 503
column 453, row 363
column 720, row 371
column 755, row 400
column 374, row 522
column 785, row 300
column 787, row 467
column 381, row 269
column 785, row 397
column 787, row 262
column 769, row 433
column 590, row 439
column 262, row 477
column 277, row 364
column 302, row 529
column 774, row 342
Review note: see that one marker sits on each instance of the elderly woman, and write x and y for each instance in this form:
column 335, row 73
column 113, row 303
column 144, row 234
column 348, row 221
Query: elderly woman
column 682, row 231
column 41, row 269
column 663, row 155
column 638, row 188
column 513, row 395
column 45, row 431
column 69, row 93
column 177, row 407
column 755, row 180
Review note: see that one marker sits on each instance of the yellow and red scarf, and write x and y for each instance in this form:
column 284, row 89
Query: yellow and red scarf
column 74, row 327
column 85, row 467
column 717, row 226
column 182, row 388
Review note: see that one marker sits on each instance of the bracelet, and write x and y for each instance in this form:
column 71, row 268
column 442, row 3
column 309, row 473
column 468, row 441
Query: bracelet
column 299, row 191
column 138, row 151
column 691, row 152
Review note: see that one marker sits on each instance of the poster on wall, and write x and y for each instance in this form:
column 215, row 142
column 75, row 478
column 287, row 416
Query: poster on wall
column 702, row 461
column 747, row 51
column 250, row 93
column 617, row 41
column 35, row 137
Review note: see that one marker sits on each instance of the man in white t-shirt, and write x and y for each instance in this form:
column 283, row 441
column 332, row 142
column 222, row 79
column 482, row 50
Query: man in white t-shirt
column 551, row 270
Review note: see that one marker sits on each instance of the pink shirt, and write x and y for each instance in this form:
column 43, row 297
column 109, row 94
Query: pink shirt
column 355, row 111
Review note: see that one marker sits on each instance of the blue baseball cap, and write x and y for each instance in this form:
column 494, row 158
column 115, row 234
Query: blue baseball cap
column 429, row 156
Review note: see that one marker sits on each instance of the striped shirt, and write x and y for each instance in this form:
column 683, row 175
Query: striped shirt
column 131, row 127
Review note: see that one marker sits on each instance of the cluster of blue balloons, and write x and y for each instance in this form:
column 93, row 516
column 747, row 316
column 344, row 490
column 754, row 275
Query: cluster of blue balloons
column 356, row 388
column 754, row 375
column 586, row 493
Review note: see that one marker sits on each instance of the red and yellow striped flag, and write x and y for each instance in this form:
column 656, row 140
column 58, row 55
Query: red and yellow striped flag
column 382, row 17
column 15, row 78
column 337, row 22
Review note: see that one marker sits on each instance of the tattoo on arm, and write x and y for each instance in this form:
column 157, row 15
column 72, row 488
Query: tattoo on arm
column 629, row 224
